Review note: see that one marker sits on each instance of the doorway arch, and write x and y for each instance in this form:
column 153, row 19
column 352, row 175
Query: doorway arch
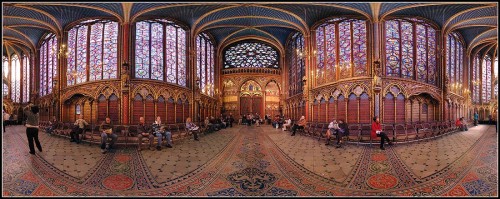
column 251, row 98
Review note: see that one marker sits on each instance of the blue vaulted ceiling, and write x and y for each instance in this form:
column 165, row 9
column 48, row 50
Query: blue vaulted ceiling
column 28, row 22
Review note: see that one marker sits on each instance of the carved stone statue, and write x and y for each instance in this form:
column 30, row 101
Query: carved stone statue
column 125, row 76
column 377, row 80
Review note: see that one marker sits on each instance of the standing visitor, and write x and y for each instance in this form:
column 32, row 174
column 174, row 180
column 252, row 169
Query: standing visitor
column 32, row 122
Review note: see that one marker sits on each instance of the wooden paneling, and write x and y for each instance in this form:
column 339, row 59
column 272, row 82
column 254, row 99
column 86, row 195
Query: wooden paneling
column 430, row 113
column 102, row 109
column 400, row 109
column 331, row 109
column 352, row 109
column 114, row 111
column 161, row 108
column 415, row 111
column 315, row 108
column 408, row 110
column 364, row 109
column 187, row 108
column 178, row 111
column 322, row 111
column 341, row 108
column 138, row 109
column 170, row 111
column 389, row 109
column 149, row 112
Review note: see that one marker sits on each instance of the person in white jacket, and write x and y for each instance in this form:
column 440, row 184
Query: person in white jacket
column 287, row 124
column 333, row 127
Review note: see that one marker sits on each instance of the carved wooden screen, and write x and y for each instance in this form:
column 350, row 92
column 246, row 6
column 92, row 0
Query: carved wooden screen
column 364, row 109
column 161, row 108
column 322, row 110
column 102, row 109
column 388, row 109
column 138, row 109
column 178, row 111
column 170, row 111
column 400, row 109
column 114, row 112
column 331, row 109
column 149, row 110
column 341, row 108
column 352, row 109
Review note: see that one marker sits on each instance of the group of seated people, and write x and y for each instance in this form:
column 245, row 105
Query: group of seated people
column 222, row 122
column 250, row 119
column 157, row 129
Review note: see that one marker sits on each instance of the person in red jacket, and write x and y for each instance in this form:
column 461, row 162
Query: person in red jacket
column 377, row 132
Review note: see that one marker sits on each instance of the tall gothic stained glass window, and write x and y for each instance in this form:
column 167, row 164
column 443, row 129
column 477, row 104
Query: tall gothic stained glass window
column 250, row 55
column 15, row 88
column 410, row 50
column 205, row 63
column 95, row 42
column 160, row 51
column 296, row 62
column 5, row 67
column 48, row 64
column 475, row 78
column 486, row 79
column 26, row 78
column 350, row 57
column 454, row 59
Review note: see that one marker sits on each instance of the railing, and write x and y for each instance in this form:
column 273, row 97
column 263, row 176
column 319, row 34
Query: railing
column 273, row 71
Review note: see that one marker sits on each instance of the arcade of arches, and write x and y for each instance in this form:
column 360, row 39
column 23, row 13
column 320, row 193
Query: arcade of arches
column 324, row 61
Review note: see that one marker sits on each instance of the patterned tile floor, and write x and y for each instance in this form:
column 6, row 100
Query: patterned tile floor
column 254, row 161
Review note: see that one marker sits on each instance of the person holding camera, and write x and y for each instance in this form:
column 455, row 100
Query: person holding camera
column 32, row 123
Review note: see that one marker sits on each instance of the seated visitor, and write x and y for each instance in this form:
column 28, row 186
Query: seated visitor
column 256, row 118
column 230, row 119
column 458, row 123
column 333, row 127
column 377, row 132
column 144, row 130
column 80, row 127
column 463, row 126
column 300, row 125
column 159, row 131
column 52, row 125
column 276, row 121
column 342, row 131
column 287, row 124
column 214, row 123
column 106, row 130
column 192, row 128
column 209, row 125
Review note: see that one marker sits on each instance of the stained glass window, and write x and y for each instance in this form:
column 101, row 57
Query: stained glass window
column 48, row 64
column 160, row 51
column 486, row 79
column 454, row 61
column 97, row 42
column 475, row 79
column 5, row 90
column 351, row 54
column 26, row 78
column 15, row 88
column 405, row 38
column 296, row 63
column 250, row 55
column 205, row 63
column 5, row 67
